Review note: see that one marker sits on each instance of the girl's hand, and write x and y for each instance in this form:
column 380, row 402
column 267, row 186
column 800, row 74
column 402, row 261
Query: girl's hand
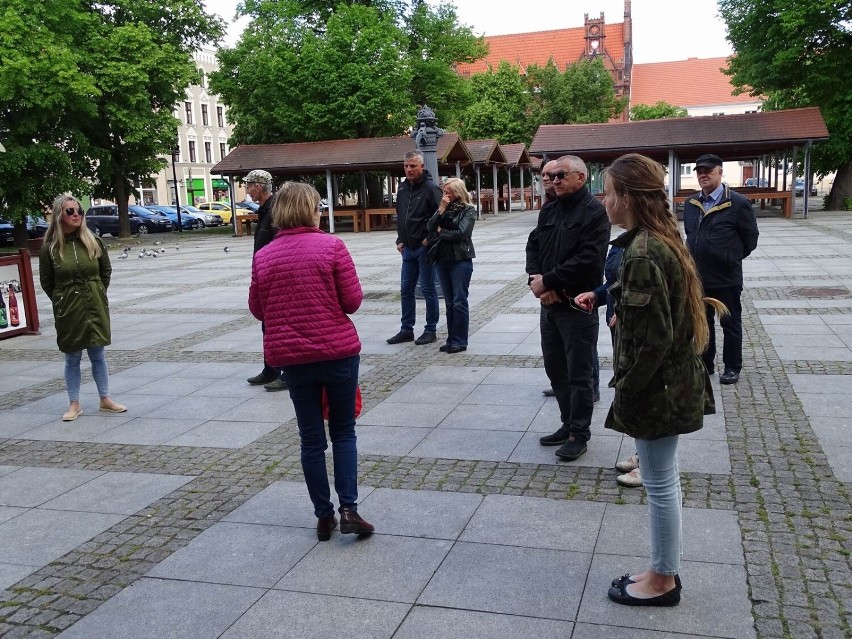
column 586, row 301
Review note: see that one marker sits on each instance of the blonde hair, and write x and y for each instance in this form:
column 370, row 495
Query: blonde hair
column 458, row 188
column 295, row 205
column 642, row 180
column 54, row 237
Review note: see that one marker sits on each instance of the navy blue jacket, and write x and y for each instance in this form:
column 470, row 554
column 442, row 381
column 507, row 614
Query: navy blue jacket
column 720, row 239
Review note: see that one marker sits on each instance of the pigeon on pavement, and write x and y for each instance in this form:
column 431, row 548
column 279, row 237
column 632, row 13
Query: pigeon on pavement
column 227, row 249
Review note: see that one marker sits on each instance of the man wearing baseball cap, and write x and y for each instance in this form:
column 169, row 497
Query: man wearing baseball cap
column 258, row 185
column 721, row 231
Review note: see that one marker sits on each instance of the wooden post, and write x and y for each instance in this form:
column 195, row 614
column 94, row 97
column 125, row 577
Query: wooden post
column 672, row 178
column 478, row 193
column 496, row 194
column 523, row 198
column 329, row 187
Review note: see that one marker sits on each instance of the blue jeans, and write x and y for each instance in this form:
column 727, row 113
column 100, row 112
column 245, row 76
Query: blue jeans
column 339, row 377
column 454, row 277
column 415, row 267
column 661, row 479
column 100, row 372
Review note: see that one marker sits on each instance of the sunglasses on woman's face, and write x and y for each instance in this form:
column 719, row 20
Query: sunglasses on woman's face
column 71, row 212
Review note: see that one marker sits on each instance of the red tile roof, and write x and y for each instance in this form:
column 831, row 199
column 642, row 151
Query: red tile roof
column 565, row 46
column 733, row 137
column 339, row 156
column 685, row 83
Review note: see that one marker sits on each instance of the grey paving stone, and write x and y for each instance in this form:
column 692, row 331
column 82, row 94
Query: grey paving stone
column 118, row 493
column 512, row 323
column 11, row 574
column 283, row 503
column 388, row 440
column 223, row 434
column 832, row 431
column 535, row 523
column 826, row 404
column 194, row 408
column 816, row 353
column 13, row 424
column 82, row 429
column 420, row 513
column 155, row 608
column 708, row 535
column 120, row 384
column 238, row 554
column 6, row 469
column 703, row 456
column 602, row 451
column 518, row 376
column 454, row 374
column 596, row 631
column 505, row 395
column 425, row 622
column 9, row 512
column 840, row 460
column 532, row 582
column 723, row 585
column 39, row 536
column 32, row 486
column 821, row 384
column 147, row 431
column 273, row 407
column 488, row 445
column 412, row 415
column 512, row 417
column 280, row 615
column 174, row 385
column 431, row 393
column 387, row 568
column 155, row 369
column 57, row 404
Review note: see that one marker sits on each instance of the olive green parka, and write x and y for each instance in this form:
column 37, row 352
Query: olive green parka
column 77, row 285
column 661, row 385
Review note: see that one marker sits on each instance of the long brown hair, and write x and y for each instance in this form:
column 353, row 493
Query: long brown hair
column 642, row 181
column 54, row 237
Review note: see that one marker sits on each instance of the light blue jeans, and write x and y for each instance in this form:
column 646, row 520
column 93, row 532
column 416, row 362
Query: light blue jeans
column 99, row 371
column 660, row 476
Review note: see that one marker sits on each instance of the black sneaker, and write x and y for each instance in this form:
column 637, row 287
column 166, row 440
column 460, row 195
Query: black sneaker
column 401, row 337
column 572, row 450
column 597, row 397
column 426, row 338
column 556, row 439
column 260, row 378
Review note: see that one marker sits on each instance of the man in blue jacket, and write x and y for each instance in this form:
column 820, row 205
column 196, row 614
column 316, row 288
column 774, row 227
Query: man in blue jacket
column 721, row 231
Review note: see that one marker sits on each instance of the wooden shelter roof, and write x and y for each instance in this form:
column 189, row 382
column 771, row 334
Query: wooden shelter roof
column 485, row 151
column 516, row 154
column 338, row 156
column 733, row 137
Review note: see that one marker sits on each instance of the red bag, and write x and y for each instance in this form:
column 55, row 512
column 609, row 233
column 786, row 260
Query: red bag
column 357, row 402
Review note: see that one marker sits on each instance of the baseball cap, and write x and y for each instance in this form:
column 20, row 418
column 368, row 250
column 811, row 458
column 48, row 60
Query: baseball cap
column 708, row 160
column 259, row 176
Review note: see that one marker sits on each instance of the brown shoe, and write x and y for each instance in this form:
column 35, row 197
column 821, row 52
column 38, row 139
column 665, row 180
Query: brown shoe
column 352, row 523
column 324, row 527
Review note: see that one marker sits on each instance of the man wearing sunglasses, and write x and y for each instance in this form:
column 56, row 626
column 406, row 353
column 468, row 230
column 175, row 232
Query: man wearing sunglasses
column 565, row 255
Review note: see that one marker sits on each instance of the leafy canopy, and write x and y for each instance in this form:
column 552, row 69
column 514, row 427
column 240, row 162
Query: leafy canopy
column 658, row 111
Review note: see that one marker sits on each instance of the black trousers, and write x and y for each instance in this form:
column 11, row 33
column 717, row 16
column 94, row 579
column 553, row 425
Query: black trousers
column 732, row 328
column 569, row 341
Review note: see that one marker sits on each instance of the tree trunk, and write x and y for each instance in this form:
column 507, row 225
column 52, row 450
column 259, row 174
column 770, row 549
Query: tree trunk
column 375, row 193
column 20, row 234
column 841, row 190
column 121, row 199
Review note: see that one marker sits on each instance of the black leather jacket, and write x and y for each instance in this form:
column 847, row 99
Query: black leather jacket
column 456, row 224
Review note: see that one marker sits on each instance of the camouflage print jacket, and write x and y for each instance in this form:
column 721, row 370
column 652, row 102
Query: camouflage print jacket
column 661, row 385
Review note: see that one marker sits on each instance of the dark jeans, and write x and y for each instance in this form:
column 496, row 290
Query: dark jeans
column 269, row 371
column 415, row 267
column 340, row 379
column 454, row 277
column 732, row 328
column 569, row 340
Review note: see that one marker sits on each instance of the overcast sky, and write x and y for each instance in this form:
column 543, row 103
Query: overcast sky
column 662, row 31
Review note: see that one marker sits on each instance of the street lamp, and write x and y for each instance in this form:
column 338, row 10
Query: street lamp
column 175, row 153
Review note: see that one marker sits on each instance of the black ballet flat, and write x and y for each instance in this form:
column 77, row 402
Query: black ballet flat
column 620, row 595
column 625, row 579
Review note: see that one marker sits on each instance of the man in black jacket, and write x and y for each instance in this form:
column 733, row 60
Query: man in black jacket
column 565, row 257
column 721, row 231
column 417, row 199
column 259, row 187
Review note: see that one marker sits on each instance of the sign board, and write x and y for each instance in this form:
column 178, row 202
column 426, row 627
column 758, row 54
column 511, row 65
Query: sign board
column 18, row 309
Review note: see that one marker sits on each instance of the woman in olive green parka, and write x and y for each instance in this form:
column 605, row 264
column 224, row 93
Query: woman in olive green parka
column 662, row 389
column 74, row 271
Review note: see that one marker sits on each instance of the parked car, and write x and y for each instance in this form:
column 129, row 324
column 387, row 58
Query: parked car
column 36, row 226
column 223, row 209
column 254, row 206
column 753, row 181
column 103, row 218
column 188, row 220
column 207, row 218
column 800, row 188
column 7, row 233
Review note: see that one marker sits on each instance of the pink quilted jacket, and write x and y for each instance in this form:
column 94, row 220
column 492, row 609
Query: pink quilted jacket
column 303, row 287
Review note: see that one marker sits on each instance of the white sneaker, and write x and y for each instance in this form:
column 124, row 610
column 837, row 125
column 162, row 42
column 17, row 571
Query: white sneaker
column 626, row 465
column 632, row 479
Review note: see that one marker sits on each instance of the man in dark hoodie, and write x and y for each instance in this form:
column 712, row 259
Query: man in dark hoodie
column 417, row 199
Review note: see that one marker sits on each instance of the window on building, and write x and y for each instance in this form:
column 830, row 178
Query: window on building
column 719, row 113
column 188, row 107
column 223, row 151
column 686, row 169
column 220, row 116
column 192, row 151
column 208, row 153
column 205, row 118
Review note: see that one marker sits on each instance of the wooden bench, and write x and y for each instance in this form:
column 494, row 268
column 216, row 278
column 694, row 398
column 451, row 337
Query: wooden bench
column 381, row 219
column 355, row 214
column 244, row 221
column 785, row 198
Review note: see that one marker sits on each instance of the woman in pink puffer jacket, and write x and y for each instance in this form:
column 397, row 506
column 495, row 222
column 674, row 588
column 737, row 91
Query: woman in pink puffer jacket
column 304, row 287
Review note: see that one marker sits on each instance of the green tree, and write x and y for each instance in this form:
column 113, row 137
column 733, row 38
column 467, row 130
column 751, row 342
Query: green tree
column 799, row 54
column 545, row 85
column 43, row 98
column 500, row 108
column 587, row 94
column 657, row 111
